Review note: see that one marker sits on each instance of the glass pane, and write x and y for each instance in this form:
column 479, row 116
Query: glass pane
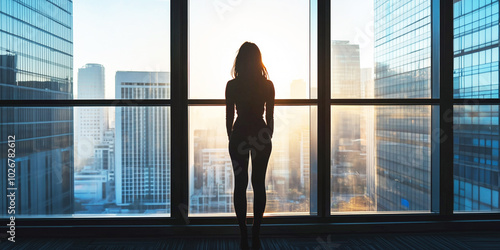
column 475, row 166
column 380, row 49
column 280, row 28
column 291, row 172
column 36, row 50
column 86, row 161
column 43, row 42
column 475, row 47
column 381, row 159
column 132, row 36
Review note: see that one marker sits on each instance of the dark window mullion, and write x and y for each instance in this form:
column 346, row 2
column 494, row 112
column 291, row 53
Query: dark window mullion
column 324, row 108
column 442, row 13
column 179, row 118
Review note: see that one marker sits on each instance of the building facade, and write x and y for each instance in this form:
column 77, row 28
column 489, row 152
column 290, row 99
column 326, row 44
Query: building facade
column 142, row 143
column 91, row 81
column 345, row 72
column 348, row 164
column 36, row 62
column 90, row 122
column 402, row 35
column 476, row 127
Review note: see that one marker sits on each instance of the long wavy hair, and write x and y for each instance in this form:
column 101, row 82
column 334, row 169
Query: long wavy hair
column 248, row 62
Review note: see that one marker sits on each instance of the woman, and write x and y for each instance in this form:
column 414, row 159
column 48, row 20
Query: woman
column 251, row 92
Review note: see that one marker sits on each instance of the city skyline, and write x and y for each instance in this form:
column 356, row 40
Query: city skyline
column 116, row 160
column 149, row 20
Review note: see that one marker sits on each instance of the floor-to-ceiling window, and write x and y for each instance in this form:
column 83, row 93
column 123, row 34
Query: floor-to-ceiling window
column 216, row 31
column 381, row 155
column 101, row 121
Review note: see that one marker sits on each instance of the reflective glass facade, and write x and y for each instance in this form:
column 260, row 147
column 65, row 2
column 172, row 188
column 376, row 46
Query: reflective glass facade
column 403, row 149
column 36, row 57
column 402, row 70
column 36, row 49
column 476, row 127
column 402, row 49
column 475, row 47
column 475, row 166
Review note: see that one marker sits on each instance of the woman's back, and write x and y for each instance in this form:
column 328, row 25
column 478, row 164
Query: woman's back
column 250, row 96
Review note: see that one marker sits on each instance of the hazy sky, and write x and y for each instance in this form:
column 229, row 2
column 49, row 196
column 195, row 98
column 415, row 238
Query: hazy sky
column 121, row 35
column 135, row 35
column 353, row 20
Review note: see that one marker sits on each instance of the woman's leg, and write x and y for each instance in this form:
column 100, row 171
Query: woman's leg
column 259, row 168
column 240, row 159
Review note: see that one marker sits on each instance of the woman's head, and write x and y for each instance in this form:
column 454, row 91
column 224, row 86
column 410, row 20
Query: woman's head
column 248, row 62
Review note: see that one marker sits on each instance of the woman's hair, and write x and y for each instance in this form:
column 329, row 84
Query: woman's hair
column 248, row 62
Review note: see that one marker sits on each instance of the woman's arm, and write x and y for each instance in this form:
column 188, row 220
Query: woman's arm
column 270, row 108
column 229, row 110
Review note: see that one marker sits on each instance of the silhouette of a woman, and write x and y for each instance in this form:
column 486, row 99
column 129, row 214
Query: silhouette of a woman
column 252, row 93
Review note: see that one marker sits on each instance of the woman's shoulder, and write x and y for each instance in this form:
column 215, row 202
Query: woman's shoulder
column 230, row 83
column 269, row 84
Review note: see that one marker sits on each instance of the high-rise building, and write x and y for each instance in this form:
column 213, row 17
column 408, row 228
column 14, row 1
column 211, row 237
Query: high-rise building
column 91, row 81
column 476, row 127
column 346, row 125
column 212, row 173
column 105, row 152
column 402, row 133
column 346, row 83
column 142, row 143
column 90, row 122
column 36, row 62
column 7, row 74
column 345, row 71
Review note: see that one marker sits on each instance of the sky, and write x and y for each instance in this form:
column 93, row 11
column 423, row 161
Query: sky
column 135, row 35
column 121, row 35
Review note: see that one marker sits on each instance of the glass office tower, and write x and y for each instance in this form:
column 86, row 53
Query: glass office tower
column 142, row 151
column 36, row 62
column 476, row 127
column 90, row 122
column 402, row 70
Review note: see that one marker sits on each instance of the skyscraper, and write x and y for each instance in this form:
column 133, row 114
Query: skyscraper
column 476, row 127
column 90, row 122
column 345, row 71
column 36, row 62
column 142, row 145
column 348, row 158
column 91, row 81
column 402, row 133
